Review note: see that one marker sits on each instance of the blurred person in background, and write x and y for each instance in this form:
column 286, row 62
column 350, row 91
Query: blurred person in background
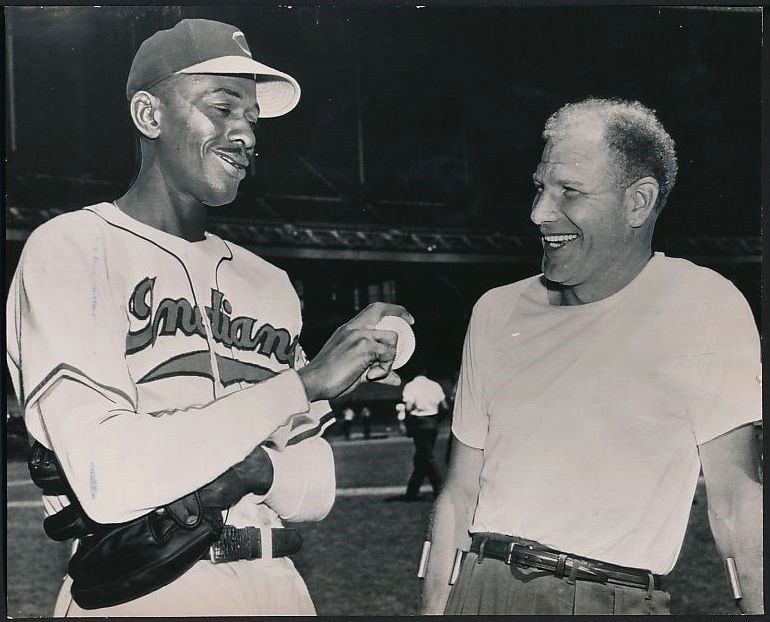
column 348, row 415
column 592, row 395
column 423, row 398
column 366, row 422
column 401, row 417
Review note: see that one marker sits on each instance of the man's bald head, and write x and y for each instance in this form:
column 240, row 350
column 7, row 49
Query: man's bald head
column 637, row 140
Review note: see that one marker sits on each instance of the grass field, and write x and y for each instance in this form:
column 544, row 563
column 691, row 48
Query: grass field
column 361, row 560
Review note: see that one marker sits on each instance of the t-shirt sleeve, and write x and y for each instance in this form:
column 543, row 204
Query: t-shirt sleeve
column 725, row 372
column 470, row 421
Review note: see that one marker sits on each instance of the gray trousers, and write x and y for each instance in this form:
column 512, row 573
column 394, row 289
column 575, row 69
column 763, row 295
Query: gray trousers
column 492, row 587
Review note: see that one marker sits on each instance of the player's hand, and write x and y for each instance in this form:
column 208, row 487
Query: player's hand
column 355, row 353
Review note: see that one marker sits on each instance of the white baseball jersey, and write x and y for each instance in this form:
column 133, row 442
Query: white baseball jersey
column 150, row 365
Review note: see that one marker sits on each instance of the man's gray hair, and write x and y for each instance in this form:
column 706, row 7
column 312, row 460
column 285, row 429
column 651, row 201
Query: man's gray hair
column 637, row 138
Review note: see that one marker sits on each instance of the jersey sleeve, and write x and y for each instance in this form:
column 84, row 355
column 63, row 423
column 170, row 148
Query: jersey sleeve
column 66, row 352
column 725, row 375
column 470, row 422
column 63, row 321
column 304, row 482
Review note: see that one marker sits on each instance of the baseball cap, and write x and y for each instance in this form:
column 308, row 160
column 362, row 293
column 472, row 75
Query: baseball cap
column 207, row 46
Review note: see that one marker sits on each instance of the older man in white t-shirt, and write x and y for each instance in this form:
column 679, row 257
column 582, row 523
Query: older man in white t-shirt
column 591, row 396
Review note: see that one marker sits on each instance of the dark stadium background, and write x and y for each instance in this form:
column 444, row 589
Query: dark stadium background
column 414, row 141
column 405, row 172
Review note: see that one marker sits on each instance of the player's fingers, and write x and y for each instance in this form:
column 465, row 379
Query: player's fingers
column 378, row 310
column 384, row 352
column 386, row 337
column 380, row 368
column 392, row 379
column 376, row 372
column 371, row 345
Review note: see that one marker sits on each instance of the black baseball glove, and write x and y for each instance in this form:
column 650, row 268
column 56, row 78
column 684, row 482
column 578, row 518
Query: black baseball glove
column 116, row 563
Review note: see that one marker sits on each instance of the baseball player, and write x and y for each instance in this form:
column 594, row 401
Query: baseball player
column 153, row 357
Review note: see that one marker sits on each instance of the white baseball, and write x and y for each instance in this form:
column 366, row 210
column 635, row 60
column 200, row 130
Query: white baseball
column 405, row 344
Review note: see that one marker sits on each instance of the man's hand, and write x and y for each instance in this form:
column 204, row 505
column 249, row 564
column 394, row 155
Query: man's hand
column 355, row 353
column 451, row 519
column 735, row 508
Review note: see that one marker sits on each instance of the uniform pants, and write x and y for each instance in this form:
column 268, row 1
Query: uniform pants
column 242, row 588
column 493, row 587
column 425, row 463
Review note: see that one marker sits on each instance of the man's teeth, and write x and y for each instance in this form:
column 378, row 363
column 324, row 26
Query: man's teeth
column 556, row 240
column 231, row 161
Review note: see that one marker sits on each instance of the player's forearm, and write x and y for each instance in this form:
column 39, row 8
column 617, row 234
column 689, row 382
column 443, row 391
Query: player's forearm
column 738, row 534
column 123, row 464
column 451, row 519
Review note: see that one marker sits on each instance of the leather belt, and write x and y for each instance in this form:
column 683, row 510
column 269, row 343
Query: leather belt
column 246, row 543
column 561, row 564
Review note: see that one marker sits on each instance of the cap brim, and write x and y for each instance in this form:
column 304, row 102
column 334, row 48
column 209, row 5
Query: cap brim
column 277, row 92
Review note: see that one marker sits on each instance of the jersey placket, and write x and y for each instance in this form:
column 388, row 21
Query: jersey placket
column 202, row 272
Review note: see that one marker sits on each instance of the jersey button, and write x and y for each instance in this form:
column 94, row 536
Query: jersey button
column 191, row 520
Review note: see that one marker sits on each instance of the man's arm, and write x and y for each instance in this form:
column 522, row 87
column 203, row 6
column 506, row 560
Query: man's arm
column 452, row 516
column 735, row 508
column 122, row 463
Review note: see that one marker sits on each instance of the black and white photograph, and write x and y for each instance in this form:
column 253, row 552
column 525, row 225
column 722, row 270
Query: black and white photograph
column 383, row 310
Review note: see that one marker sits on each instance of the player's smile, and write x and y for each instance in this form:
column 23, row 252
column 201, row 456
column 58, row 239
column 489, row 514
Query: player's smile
column 235, row 162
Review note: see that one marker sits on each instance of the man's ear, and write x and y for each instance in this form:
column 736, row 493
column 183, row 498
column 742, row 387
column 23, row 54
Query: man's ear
column 641, row 197
column 144, row 110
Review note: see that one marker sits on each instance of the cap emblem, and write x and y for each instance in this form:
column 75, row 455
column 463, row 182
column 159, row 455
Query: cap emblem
column 240, row 40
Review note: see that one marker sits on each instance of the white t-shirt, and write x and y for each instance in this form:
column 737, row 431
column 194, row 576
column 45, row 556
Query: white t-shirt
column 590, row 416
column 423, row 396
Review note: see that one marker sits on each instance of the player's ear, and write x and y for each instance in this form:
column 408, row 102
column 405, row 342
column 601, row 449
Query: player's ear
column 143, row 109
column 640, row 198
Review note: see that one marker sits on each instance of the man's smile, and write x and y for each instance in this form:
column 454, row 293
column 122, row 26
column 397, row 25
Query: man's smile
column 235, row 164
column 557, row 240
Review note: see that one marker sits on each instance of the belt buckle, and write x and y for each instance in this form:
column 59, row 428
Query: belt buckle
column 510, row 550
column 216, row 553
column 221, row 549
